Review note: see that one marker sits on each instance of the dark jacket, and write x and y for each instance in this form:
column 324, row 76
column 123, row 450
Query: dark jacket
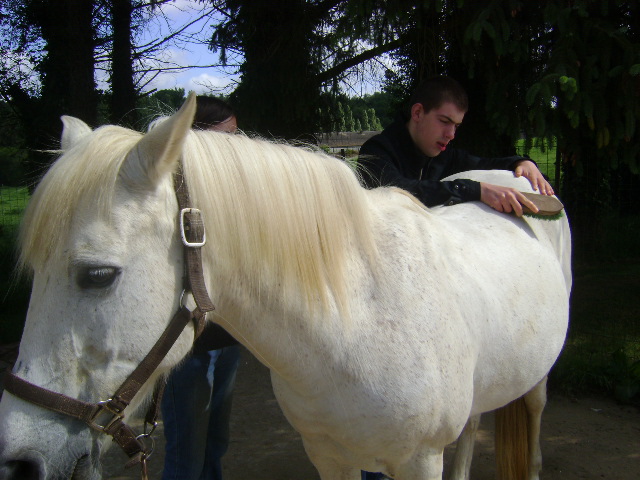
column 213, row 337
column 391, row 158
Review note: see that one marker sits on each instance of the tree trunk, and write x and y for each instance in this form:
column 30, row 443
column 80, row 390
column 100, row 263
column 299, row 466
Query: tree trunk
column 67, row 75
column 68, row 70
column 279, row 93
column 123, row 92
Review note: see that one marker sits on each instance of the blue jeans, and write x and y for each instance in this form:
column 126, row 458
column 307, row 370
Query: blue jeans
column 372, row 476
column 196, row 408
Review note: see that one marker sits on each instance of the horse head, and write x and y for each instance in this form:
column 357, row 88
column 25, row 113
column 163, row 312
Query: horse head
column 100, row 237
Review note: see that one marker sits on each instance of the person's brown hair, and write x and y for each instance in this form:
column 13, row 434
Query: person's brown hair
column 211, row 111
column 435, row 91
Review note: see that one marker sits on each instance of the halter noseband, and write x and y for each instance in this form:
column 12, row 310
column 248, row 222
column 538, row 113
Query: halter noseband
column 108, row 416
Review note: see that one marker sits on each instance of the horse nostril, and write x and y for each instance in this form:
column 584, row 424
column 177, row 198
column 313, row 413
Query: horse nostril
column 20, row 470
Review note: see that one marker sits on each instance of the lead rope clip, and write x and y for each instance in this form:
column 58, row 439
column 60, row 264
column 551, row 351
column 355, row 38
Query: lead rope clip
column 143, row 466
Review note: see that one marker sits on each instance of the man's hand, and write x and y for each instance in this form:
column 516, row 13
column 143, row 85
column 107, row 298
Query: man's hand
column 505, row 199
column 529, row 170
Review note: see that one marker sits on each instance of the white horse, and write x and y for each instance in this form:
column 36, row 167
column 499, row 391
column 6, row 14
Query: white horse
column 386, row 325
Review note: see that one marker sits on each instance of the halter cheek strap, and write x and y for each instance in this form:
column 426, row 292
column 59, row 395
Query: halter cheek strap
column 193, row 237
column 108, row 416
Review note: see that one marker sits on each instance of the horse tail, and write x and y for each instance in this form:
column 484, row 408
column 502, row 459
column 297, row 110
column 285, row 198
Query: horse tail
column 512, row 441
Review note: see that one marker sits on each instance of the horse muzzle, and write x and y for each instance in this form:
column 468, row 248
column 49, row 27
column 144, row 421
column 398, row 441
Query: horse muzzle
column 34, row 467
column 24, row 469
column 38, row 445
column 19, row 469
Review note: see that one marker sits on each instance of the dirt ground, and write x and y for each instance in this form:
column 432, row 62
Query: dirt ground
column 586, row 438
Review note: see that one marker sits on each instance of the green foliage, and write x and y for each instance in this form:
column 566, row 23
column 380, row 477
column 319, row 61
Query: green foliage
column 625, row 376
column 160, row 103
column 584, row 368
column 355, row 114
column 13, row 152
column 577, row 65
column 566, row 71
column 12, row 161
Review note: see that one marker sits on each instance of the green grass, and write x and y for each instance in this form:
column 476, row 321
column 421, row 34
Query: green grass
column 602, row 351
column 13, row 200
column 14, row 291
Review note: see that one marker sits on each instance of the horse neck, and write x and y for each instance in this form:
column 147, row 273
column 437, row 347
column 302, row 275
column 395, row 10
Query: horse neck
column 279, row 338
column 284, row 229
column 287, row 336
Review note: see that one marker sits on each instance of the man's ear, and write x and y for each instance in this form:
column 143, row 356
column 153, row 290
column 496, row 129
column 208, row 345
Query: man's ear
column 417, row 110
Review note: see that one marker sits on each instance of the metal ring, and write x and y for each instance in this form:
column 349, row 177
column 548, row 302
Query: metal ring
column 147, row 452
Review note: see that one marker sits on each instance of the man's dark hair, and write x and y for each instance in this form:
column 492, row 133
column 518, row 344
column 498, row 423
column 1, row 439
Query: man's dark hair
column 435, row 91
column 211, row 111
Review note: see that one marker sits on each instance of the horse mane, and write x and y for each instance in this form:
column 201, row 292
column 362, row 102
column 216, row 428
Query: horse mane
column 285, row 215
column 86, row 173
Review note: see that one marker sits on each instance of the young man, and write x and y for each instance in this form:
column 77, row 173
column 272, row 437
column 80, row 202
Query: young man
column 413, row 153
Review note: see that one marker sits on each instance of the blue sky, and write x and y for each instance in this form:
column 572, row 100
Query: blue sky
column 202, row 80
column 219, row 80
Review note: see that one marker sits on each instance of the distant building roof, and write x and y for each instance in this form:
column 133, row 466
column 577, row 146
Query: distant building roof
column 344, row 139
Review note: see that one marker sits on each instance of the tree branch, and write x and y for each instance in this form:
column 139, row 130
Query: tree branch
column 336, row 70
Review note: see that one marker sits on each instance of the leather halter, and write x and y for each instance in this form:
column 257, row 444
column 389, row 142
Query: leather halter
column 108, row 416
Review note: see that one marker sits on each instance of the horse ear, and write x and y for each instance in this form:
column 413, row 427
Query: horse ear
column 157, row 153
column 73, row 129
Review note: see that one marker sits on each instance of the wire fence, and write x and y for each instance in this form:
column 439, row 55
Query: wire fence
column 13, row 201
column 545, row 158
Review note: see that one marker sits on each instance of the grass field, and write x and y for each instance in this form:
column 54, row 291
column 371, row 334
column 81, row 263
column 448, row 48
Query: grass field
column 14, row 291
column 13, row 200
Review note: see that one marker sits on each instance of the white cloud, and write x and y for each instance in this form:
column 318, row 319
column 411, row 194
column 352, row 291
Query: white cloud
column 201, row 83
column 207, row 83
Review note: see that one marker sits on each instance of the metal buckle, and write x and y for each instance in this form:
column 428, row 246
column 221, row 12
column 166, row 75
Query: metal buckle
column 183, row 234
column 104, row 409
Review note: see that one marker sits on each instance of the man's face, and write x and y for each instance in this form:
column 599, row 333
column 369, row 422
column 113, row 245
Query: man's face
column 432, row 131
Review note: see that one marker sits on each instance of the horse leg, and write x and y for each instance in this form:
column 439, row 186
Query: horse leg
column 535, row 402
column 426, row 464
column 326, row 465
column 461, row 467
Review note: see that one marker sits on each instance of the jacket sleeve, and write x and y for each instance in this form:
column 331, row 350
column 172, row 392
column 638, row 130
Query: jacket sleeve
column 378, row 167
column 465, row 161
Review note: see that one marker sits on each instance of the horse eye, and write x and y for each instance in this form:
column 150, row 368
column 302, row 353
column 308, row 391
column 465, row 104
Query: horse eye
column 98, row 277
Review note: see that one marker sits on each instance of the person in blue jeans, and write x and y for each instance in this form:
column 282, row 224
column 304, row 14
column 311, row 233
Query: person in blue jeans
column 196, row 408
column 196, row 405
column 373, row 476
